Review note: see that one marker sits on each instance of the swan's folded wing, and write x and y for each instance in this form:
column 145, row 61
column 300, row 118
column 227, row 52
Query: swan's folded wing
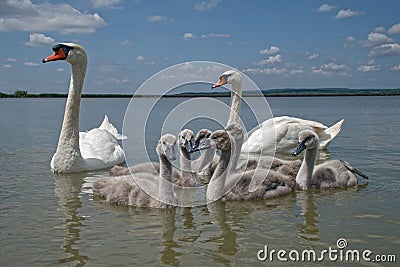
column 101, row 145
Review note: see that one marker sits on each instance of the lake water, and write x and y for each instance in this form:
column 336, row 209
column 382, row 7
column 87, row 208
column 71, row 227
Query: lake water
column 49, row 220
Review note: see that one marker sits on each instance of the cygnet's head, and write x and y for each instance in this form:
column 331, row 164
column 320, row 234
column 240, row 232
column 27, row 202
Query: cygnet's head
column 186, row 140
column 201, row 136
column 230, row 76
column 236, row 131
column 220, row 140
column 308, row 139
column 167, row 146
column 70, row 52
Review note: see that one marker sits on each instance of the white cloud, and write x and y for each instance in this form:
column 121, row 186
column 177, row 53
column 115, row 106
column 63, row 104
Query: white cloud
column 60, row 70
column 267, row 71
column 349, row 42
column 332, row 66
column 39, row 39
column 295, row 72
column 385, row 50
column 45, row 16
column 375, row 39
column 272, row 50
column 216, row 35
column 31, row 64
column 320, row 71
column 7, row 66
column 270, row 60
column 312, row 56
column 380, row 29
column 104, row 3
column 140, row 58
column 395, row 67
column 274, row 59
column 188, row 35
column 126, row 42
column 329, row 69
column 326, row 8
column 394, row 29
column 205, row 5
column 117, row 81
column 347, row 13
column 369, row 67
column 157, row 18
column 12, row 59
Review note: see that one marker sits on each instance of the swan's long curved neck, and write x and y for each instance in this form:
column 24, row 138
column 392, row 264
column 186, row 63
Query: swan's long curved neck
column 165, row 187
column 215, row 189
column 304, row 176
column 185, row 165
column 69, row 136
column 236, row 99
column 236, row 148
column 206, row 158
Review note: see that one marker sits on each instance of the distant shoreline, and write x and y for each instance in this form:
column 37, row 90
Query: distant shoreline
column 266, row 93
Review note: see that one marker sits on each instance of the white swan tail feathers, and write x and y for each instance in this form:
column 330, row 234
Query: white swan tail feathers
column 107, row 125
column 331, row 133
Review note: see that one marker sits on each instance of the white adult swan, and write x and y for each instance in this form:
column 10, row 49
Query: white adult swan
column 330, row 174
column 85, row 151
column 155, row 191
column 278, row 133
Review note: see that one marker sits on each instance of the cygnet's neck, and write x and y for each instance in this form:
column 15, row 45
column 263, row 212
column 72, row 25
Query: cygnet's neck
column 165, row 187
column 304, row 176
column 206, row 158
column 185, row 165
column 215, row 189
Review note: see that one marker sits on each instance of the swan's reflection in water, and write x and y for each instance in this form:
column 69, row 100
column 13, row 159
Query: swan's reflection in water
column 308, row 229
column 169, row 255
column 227, row 239
column 219, row 233
column 68, row 190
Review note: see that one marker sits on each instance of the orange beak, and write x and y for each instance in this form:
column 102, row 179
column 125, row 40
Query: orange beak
column 221, row 82
column 58, row 55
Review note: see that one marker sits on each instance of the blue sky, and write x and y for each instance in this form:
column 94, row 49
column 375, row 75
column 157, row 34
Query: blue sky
column 279, row 44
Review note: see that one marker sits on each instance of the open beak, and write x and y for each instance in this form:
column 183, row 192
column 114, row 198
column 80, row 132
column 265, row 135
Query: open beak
column 196, row 144
column 206, row 144
column 300, row 147
column 221, row 82
column 188, row 146
column 58, row 55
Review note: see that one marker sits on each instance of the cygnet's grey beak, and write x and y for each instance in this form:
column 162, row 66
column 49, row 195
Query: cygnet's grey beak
column 170, row 153
column 206, row 144
column 300, row 147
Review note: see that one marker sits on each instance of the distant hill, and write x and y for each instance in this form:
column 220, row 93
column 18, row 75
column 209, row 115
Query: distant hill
column 268, row 93
column 304, row 92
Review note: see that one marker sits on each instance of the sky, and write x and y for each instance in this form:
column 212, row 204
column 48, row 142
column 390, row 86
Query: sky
column 278, row 44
